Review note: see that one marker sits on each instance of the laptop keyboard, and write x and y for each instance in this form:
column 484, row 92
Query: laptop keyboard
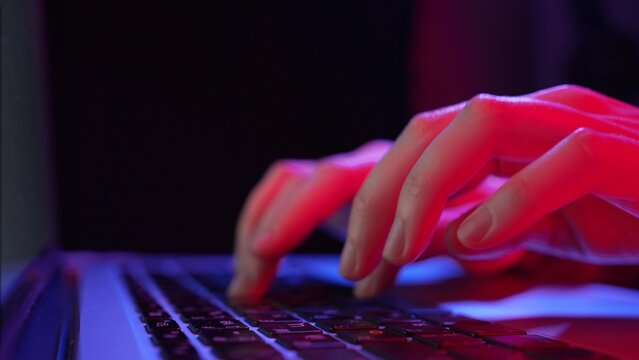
column 302, row 320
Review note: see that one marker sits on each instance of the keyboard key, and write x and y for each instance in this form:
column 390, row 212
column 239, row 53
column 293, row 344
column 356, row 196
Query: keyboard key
column 369, row 336
column 387, row 317
column 566, row 354
column 180, row 353
column 317, row 309
column 408, row 329
column 255, row 351
column 346, row 324
column 156, row 314
column 206, row 316
column 189, row 302
column 489, row 352
column 406, row 351
column 316, row 313
column 189, row 356
column 217, row 283
column 170, row 337
column 244, row 308
column 145, row 306
column 445, row 319
column 525, row 342
column 450, row 340
column 321, row 317
column 279, row 329
column 161, row 325
column 229, row 336
column 188, row 309
column 481, row 329
column 309, row 341
column 330, row 354
column 207, row 325
column 361, row 307
column 270, row 317
column 390, row 321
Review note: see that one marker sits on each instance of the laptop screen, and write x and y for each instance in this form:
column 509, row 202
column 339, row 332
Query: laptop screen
column 28, row 218
column 166, row 117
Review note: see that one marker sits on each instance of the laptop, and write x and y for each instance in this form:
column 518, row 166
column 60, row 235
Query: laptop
column 91, row 305
column 107, row 305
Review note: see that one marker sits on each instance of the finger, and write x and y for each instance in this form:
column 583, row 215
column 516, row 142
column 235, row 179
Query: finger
column 378, row 281
column 586, row 161
column 253, row 276
column 489, row 128
column 286, row 208
column 585, row 99
column 333, row 184
column 265, row 191
column 383, row 276
column 374, row 205
column 253, row 273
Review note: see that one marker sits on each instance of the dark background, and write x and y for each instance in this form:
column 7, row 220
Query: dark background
column 167, row 113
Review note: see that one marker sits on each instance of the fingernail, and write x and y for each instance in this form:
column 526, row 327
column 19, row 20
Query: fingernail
column 348, row 262
column 364, row 289
column 395, row 242
column 473, row 230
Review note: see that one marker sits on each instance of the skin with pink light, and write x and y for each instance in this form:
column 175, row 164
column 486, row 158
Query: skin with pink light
column 487, row 180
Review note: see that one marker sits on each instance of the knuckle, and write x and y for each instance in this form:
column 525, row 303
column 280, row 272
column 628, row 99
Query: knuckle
column 578, row 95
column 362, row 203
column 430, row 123
column 576, row 90
column 482, row 102
column 483, row 110
column 421, row 125
column 414, row 184
column 581, row 98
column 519, row 191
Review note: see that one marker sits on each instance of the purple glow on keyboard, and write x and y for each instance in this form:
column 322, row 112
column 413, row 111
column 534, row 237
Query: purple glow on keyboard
column 588, row 300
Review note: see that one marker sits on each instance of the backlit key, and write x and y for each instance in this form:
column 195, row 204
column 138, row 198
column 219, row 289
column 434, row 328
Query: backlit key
column 450, row 340
column 525, row 342
column 346, row 324
column 481, row 329
column 370, row 336
column 229, row 337
column 278, row 329
column 408, row 329
column 309, row 341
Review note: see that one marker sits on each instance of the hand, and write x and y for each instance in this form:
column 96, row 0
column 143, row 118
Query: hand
column 571, row 157
column 293, row 198
column 465, row 146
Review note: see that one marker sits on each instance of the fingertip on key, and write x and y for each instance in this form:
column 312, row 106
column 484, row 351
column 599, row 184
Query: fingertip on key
column 348, row 261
